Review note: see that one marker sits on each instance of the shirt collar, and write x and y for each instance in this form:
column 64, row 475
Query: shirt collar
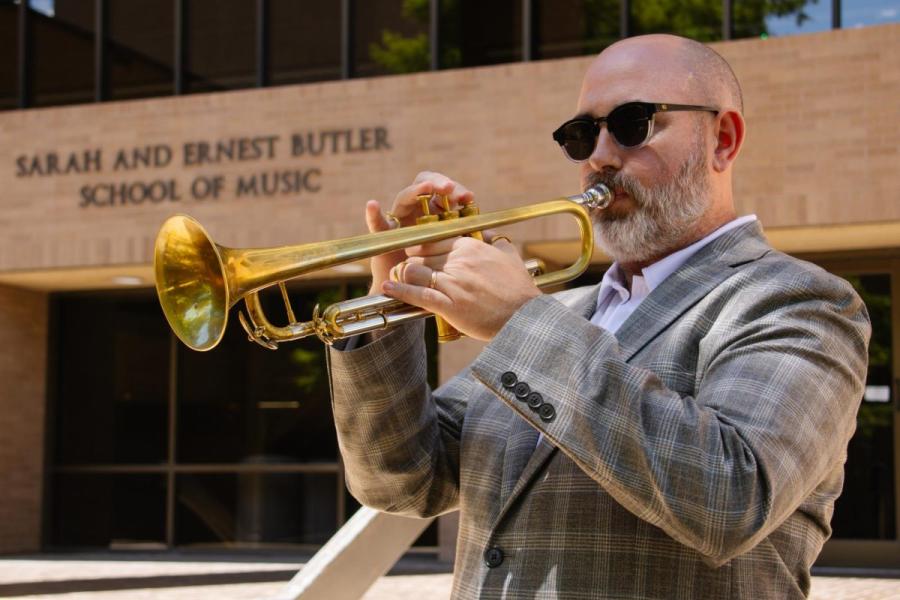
column 614, row 279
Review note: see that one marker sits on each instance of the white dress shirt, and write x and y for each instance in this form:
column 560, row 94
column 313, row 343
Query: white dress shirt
column 615, row 303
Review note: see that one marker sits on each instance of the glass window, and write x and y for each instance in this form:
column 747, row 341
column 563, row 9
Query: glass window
column 108, row 510
column 856, row 13
column 480, row 33
column 304, row 41
column 753, row 18
column 575, row 27
column 220, row 45
column 9, row 51
column 62, row 35
column 244, row 404
column 112, row 384
column 140, row 47
column 255, row 508
column 700, row 20
column 391, row 36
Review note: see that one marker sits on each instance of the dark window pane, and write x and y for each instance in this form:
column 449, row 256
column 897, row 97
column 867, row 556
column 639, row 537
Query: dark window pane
column 220, row 45
column 763, row 19
column 63, row 45
column 480, row 33
column 109, row 510
column 391, row 37
column 113, row 380
column 575, row 27
column 866, row 508
column 140, row 47
column 856, row 13
column 700, row 20
column 255, row 508
column 9, row 54
column 304, row 41
column 243, row 403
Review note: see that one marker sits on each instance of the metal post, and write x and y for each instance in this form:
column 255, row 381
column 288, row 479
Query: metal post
column 727, row 16
column 25, row 58
column 434, row 34
column 348, row 55
column 262, row 43
column 180, row 50
column 625, row 18
column 101, row 72
column 836, row 14
column 527, row 30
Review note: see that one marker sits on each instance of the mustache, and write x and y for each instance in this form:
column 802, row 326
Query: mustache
column 617, row 180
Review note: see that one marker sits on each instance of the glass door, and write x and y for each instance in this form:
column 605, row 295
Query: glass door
column 865, row 522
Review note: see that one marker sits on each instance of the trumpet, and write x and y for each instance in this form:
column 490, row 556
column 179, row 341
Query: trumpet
column 198, row 281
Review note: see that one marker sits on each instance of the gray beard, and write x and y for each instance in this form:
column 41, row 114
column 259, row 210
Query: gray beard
column 665, row 214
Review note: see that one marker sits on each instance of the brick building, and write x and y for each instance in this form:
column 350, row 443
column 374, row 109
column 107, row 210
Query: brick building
column 272, row 123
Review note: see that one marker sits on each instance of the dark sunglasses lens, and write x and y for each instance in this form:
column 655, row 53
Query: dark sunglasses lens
column 630, row 124
column 578, row 139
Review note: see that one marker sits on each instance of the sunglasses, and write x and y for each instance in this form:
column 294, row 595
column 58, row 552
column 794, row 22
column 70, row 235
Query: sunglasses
column 630, row 124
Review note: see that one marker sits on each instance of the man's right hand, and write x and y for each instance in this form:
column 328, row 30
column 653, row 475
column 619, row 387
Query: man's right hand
column 406, row 208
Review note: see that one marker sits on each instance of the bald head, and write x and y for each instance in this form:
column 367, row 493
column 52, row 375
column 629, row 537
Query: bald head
column 672, row 64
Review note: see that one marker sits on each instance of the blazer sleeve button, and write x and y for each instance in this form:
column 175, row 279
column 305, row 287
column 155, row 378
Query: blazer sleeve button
column 522, row 390
column 547, row 412
column 493, row 557
column 509, row 380
column 535, row 400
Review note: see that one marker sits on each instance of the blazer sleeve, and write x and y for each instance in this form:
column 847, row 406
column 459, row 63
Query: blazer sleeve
column 774, row 408
column 399, row 442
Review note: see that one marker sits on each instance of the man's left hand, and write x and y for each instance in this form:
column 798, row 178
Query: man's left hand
column 476, row 288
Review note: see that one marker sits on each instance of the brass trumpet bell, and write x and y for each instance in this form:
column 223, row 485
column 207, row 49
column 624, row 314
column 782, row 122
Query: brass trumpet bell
column 191, row 283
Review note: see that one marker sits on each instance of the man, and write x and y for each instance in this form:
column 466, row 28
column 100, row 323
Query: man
column 678, row 432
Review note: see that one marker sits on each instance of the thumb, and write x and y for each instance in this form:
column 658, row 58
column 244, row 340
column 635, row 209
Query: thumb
column 375, row 220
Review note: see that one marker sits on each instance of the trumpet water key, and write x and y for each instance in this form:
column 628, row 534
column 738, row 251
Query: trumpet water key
column 198, row 281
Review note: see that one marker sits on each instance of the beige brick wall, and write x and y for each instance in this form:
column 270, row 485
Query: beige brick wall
column 23, row 338
column 822, row 148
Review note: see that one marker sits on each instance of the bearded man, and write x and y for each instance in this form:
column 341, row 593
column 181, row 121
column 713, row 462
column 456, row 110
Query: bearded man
column 678, row 431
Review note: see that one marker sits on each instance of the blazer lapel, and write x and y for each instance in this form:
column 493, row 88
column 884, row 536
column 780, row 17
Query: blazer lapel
column 702, row 272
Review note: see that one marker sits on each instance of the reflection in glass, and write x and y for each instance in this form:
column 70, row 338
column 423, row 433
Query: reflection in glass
column 698, row 20
column 140, row 44
column 304, row 41
column 242, row 403
column 220, row 45
column 62, row 34
column 9, row 54
column 255, row 508
column 857, row 13
column 108, row 510
column 112, row 382
column 575, row 27
column 480, row 33
column 866, row 508
column 392, row 37
column 755, row 18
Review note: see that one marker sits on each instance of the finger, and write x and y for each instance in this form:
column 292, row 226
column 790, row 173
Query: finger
column 422, row 275
column 430, row 262
column 439, row 185
column 430, row 299
column 375, row 219
column 432, row 249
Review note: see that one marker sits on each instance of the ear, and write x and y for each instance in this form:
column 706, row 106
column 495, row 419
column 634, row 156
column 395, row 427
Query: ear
column 729, row 139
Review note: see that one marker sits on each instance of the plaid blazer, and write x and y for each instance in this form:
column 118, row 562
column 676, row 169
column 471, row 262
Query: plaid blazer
column 696, row 453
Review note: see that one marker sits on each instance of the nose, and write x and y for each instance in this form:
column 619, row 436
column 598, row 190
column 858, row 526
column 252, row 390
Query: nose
column 607, row 153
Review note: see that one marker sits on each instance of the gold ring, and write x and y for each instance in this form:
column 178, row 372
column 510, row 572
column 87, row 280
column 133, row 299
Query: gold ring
column 497, row 238
column 393, row 273
column 389, row 216
column 433, row 284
